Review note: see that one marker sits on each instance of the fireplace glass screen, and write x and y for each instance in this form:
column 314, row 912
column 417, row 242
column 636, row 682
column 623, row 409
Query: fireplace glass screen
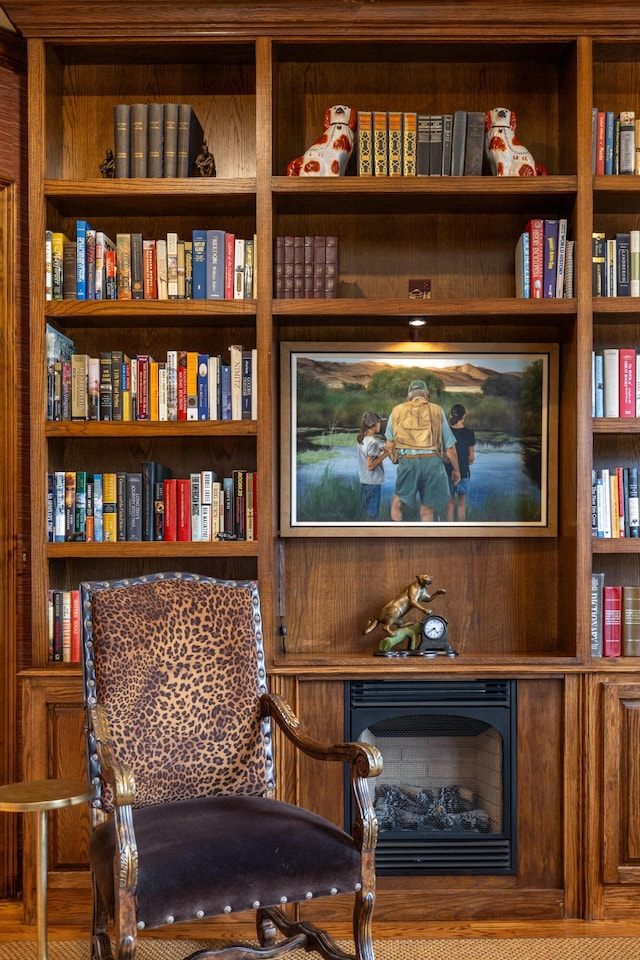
column 445, row 800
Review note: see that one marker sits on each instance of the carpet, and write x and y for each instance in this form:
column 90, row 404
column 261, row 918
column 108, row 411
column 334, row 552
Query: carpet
column 520, row 948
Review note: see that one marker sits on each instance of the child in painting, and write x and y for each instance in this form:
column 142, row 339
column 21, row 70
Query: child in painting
column 371, row 453
column 465, row 448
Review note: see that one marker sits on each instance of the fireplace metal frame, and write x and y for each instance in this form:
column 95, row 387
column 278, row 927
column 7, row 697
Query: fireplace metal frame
column 413, row 853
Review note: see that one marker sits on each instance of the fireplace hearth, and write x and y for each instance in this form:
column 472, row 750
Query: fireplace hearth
column 445, row 800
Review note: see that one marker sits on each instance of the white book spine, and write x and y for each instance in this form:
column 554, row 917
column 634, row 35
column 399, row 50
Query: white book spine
column 611, row 370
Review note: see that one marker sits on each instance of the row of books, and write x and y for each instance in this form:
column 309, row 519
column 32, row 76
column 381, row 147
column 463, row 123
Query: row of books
column 187, row 385
column 150, row 505
column 156, row 139
column 615, row 619
column 306, row 268
column 212, row 264
column 544, row 260
column 615, row 513
column 615, row 390
column 616, row 264
column 616, row 142
column 407, row 144
column 65, row 626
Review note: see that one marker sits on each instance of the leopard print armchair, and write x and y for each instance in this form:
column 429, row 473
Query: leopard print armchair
column 185, row 824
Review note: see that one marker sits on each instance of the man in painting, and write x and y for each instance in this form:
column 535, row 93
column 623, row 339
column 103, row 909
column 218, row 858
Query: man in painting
column 420, row 437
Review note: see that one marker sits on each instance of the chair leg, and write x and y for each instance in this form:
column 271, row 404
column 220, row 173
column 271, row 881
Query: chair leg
column 316, row 939
column 100, row 942
column 362, row 924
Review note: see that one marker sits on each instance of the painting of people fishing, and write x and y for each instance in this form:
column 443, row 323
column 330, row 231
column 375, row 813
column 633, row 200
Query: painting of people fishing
column 451, row 439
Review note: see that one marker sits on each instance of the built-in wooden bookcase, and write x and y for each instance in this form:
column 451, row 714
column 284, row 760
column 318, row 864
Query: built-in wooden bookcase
column 517, row 606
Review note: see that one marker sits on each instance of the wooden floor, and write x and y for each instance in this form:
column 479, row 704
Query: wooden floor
column 12, row 929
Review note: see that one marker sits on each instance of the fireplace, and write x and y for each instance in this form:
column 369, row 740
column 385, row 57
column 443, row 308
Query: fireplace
column 446, row 798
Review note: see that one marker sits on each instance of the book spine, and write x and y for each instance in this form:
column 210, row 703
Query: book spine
column 139, row 139
column 550, row 258
column 137, row 267
column 365, row 143
column 627, row 382
column 631, row 621
column 170, row 167
column 155, row 140
column 612, row 621
column 134, row 507
column 535, row 229
column 611, row 380
column 121, row 122
column 380, row 144
column 215, row 265
column 394, row 127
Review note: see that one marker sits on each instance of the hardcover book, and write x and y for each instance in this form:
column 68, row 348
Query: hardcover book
column 155, row 140
column 612, row 621
column 365, row 143
column 631, row 621
column 474, row 147
column 394, row 126
column 380, row 144
column 409, row 143
column 535, row 229
column 597, row 584
column 190, row 140
column 139, row 143
column 121, row 135
column 170, row 139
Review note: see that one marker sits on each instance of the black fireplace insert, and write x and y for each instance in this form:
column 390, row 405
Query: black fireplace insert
column 446, row 798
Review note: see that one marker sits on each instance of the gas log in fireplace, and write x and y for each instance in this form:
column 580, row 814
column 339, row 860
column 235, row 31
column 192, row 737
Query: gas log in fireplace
column 446, row 798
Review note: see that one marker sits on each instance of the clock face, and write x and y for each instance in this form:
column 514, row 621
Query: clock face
column 434, row 628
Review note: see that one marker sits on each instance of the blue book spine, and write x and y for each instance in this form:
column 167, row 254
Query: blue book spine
column 98, row 528
column 203, row 386
column 199, row 264
column 81, row 259
column 609, row 127
column 215, row 265
column 598, row 379
column 225, row 391
column 634, row 511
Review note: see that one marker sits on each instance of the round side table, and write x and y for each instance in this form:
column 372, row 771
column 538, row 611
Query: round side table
column 39, row 796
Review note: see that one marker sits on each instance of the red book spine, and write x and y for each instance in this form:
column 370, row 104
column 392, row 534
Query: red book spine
column 170, row 510
column 535, row 229
column 183, row 528
column 627, row 382
column 143, row 388
column 612, row 621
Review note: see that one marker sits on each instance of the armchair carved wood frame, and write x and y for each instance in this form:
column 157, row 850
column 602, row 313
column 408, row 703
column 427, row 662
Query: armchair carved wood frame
column 185, row 825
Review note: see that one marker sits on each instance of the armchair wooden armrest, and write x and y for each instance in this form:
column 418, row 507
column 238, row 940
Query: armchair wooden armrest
column 364, row 761
column 120, row 778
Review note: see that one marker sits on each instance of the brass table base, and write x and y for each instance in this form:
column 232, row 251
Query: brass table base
column 39, row 796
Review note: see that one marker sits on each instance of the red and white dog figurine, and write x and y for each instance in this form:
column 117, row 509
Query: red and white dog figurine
column 506, row 155
column 329, row 155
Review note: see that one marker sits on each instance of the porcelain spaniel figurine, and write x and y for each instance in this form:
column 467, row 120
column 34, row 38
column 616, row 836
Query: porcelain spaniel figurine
column 329, row 155
column 506, row 155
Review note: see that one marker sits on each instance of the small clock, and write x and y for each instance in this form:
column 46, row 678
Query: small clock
column 434, row 637
column 434, row 628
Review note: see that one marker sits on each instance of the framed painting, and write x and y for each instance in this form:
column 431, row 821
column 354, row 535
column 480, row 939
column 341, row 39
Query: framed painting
column 372, row 435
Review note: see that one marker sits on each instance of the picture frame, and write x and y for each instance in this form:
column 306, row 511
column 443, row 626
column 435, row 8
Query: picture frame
column 510, row 396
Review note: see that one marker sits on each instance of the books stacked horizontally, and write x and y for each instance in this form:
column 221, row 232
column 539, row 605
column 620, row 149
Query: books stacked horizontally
column 615, row 140
column 615, row 618
column 211, row 264
column 616, row 264
column 306, row 268
column 544, row 260
column 156, row 139
column 184, row 386
column 150, row 505
column 615, row 382
column 614, row 503
column 406, row 144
